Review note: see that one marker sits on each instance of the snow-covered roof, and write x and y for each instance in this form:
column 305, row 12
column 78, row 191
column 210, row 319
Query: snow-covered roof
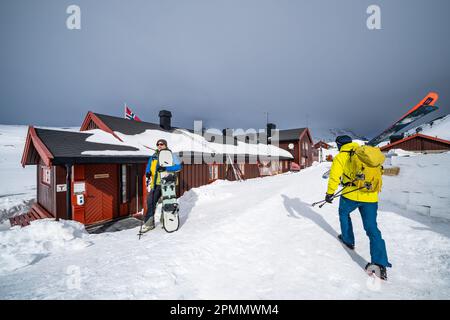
column 181, row 140
column 59, row 146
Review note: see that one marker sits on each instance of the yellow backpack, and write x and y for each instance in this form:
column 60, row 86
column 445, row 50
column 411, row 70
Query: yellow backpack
column 366, row 168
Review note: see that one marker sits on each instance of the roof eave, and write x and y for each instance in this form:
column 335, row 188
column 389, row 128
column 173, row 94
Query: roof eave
column 40, row 147
column 91, row 116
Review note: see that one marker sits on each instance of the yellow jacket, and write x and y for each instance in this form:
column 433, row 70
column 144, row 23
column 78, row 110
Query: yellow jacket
column 338, row 168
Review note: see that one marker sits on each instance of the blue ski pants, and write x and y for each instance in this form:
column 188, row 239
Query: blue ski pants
column 368, row 211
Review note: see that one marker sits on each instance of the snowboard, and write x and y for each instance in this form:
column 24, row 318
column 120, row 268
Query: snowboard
column 170, row 207
column 424, row 107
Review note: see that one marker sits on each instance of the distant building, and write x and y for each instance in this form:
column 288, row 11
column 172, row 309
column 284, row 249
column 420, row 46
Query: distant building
column 298, row 142
column 322, row 144
column 419, row 143
column 318, row 150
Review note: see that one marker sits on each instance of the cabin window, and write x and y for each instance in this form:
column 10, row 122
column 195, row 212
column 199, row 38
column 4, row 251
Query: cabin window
column 213, row 172
column 46, row 175
column 123, row 183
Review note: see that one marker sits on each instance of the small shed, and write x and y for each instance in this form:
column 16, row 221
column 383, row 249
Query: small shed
column 419, row 143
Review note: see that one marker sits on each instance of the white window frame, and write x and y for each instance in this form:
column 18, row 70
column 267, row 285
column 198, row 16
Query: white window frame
column 213, row 172
column 46, row 175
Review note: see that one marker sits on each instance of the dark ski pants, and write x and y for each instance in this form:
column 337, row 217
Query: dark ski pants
column 368, row 213
column 152, row 201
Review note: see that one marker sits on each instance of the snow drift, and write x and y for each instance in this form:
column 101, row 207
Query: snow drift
column 21, row 247
column 423, row 184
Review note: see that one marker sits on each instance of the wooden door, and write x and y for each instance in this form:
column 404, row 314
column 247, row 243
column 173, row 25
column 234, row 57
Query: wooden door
column 101, row 202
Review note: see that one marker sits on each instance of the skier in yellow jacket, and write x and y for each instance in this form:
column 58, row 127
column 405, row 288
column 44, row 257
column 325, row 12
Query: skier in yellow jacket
column 352, row 199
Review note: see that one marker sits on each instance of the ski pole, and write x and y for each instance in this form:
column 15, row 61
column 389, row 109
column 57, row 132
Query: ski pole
column 337, row 196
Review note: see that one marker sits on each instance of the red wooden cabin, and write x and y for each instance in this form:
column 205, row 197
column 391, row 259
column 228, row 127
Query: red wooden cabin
column 420, row 143
column 299, row 143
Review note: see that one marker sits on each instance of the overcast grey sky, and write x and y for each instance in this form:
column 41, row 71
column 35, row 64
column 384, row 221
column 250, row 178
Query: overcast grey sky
column 224, row 61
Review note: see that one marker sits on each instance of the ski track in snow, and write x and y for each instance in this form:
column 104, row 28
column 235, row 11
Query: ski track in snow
column 258, row 239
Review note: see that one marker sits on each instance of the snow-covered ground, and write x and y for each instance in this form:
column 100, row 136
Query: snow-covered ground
column 259, row 239
column 17, row 185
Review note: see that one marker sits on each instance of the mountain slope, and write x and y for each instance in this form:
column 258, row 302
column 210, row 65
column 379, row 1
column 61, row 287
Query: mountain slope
column 439, row 127
column 329, row 135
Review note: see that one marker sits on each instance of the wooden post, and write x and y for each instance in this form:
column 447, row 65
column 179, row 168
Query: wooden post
column 69, row 191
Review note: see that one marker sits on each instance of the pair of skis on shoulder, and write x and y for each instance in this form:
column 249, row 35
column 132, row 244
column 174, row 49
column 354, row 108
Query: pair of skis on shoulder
column 423, row 108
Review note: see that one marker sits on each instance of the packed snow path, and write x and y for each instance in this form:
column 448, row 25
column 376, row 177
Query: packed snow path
column 259, row 239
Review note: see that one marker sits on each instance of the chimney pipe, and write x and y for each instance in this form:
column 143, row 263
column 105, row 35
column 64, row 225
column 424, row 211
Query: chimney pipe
column 270, row 127
column 165, row 119
column 396, row 137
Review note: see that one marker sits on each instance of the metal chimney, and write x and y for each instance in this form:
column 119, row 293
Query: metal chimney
column 165, row 119
column 270, row 127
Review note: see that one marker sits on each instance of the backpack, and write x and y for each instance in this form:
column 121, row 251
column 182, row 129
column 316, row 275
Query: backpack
column 366, row 168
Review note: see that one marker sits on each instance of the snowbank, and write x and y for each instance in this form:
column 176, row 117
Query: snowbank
column 423, row 185
column 20, row 247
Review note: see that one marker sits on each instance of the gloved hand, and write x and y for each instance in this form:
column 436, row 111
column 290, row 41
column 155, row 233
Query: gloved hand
column 329, row 198
column 161, row 169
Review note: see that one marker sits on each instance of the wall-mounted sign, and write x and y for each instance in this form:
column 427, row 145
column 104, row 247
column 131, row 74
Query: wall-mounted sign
column 61, row 188
column 79, row 187
column 101, row 176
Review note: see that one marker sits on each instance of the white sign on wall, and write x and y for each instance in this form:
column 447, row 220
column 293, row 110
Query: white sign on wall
column 79, row 187
column 61, row 188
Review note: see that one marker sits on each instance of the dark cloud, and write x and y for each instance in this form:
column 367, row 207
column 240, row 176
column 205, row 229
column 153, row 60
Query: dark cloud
column 225, row 61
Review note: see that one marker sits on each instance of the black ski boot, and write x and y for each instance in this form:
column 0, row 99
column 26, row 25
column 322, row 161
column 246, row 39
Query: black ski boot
column 378, row 270
column 350, row 246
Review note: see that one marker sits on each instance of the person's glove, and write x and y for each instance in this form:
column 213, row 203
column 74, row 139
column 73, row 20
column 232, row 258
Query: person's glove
column 161, row 169
column 329, row 198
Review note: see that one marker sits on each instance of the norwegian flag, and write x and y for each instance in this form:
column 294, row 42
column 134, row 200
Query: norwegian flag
column 130, row 115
